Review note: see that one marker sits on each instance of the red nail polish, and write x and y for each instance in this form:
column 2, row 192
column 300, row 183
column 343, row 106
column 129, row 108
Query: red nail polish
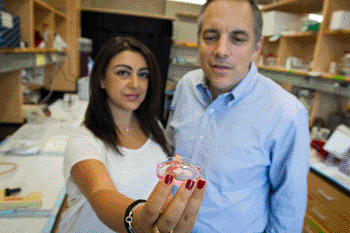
column 200, row 184
column 189, row 184
column 168, row 179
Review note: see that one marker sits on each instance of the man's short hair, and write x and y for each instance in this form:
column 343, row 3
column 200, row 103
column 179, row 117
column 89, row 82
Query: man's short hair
column 257, row 17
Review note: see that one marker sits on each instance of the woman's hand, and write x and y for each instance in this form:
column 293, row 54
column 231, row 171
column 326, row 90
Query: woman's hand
column 178, row 213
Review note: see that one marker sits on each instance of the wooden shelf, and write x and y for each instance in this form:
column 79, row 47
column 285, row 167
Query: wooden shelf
column 282, row 69
column 308, row 80
column 188, row 15
column 49, row 16
column 50, row 8
column 44, row 5
column 306, row 73
column 295, row 6
column 301, row 35
column 298, row 35
column 338, row 32
column 185, row 44
column 60, row 14
column 30, row 50
column 137, row 14
column 28, row 58
column 336, row 77
column 33, row 87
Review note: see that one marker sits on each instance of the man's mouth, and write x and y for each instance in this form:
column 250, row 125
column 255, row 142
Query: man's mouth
column 221, row 67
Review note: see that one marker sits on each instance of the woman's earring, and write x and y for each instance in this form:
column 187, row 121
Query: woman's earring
column 102, row 85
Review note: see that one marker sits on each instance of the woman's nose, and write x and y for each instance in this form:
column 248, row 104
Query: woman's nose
column 134, row 82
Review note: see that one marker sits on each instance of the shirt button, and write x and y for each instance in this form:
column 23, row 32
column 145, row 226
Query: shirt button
column 211, row 110
column 201, row 137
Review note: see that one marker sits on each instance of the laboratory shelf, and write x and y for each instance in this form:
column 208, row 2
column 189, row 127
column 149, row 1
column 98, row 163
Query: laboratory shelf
column 12, row 60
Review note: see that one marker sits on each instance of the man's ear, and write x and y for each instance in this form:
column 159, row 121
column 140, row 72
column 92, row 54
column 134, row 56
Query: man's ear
column 257, row 48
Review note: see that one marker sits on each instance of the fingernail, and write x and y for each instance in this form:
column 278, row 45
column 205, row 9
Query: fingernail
column 168, row 179
column 189, row 184
column 200, row 184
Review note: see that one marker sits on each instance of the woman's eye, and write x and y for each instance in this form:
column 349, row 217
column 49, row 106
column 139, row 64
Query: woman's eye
column 144, row 75
column 123, row 72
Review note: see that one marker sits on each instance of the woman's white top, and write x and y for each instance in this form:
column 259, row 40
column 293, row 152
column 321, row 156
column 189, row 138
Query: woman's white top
column 134, row 175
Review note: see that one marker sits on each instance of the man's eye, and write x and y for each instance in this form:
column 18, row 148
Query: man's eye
column 209, row 38
column 239, row 40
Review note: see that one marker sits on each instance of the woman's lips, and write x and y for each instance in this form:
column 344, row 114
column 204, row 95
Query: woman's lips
column 133, row 97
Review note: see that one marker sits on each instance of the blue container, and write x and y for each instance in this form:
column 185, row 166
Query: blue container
column 10, row 32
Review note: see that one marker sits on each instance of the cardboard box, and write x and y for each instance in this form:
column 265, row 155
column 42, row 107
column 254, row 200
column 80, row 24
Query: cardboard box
column 340, row 20
column 276, row 22
column 10, row 32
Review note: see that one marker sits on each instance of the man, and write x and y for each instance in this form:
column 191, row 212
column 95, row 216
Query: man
column 250, row 135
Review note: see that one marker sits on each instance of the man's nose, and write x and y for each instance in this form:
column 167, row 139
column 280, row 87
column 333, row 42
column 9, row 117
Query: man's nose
column 222, row 48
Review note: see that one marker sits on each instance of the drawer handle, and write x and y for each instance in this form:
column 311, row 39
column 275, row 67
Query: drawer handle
column 329, row 198
column 319, row 215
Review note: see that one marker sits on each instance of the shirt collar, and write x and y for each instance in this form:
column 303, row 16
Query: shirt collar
column 201, row 85
column 244, row 87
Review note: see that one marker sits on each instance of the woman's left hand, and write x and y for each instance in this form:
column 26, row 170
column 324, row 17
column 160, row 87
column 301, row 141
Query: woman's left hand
column 177, row 214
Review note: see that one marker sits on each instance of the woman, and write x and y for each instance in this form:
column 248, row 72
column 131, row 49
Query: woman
column 111, row 159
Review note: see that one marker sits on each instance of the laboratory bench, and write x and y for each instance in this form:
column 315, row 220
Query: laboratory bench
column 328, row 199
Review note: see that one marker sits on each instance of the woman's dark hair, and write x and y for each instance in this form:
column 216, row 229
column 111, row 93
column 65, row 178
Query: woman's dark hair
column 98, row 117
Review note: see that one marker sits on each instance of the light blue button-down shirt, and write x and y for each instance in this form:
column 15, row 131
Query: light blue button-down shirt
column 253, row 143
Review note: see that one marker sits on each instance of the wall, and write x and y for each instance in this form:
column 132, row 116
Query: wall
column 184, row 29
column 142, row 6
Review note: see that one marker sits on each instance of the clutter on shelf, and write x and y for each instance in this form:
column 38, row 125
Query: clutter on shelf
column 344, row 64
column 193, row 60
column 59, row 43
column 294, row 63
column 270, row 60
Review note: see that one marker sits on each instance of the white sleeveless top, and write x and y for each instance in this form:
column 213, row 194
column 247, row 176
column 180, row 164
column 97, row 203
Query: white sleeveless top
column 134, row 175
